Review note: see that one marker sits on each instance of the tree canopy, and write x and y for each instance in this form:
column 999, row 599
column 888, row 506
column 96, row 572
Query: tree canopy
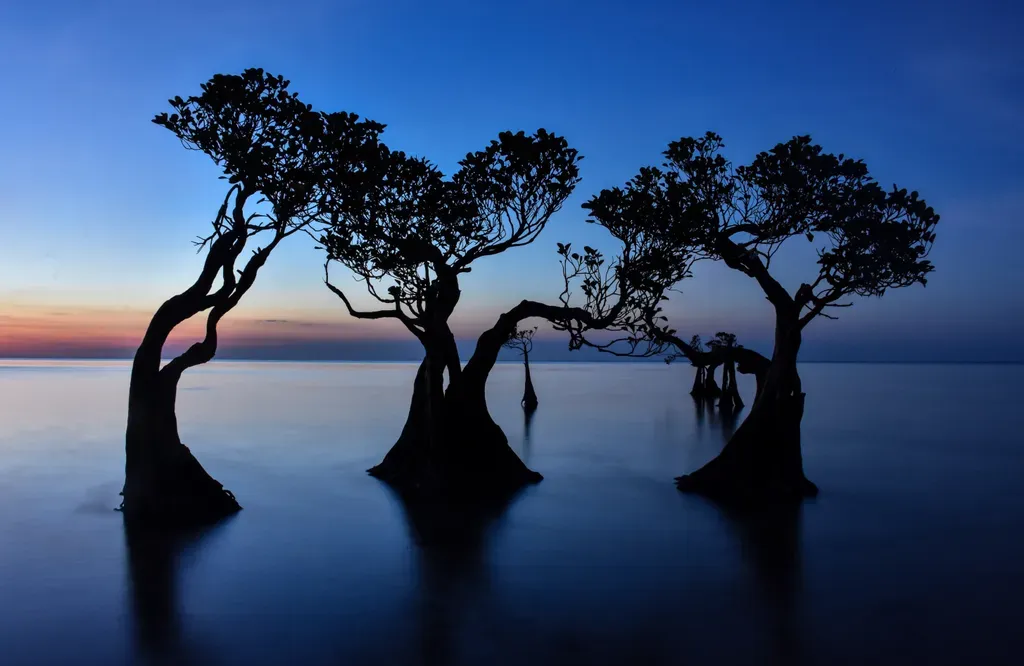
column 868, row 239
column 521, row 340
column 402, row 226
column 269, row 145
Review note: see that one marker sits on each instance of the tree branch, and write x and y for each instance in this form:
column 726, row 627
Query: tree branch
column 747, row 262
column 226, row 300
column 395, row 313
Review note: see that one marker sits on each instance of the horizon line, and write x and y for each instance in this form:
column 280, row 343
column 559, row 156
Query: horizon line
column 595, row 360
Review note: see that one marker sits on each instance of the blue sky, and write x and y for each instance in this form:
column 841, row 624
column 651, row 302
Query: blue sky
column 98, row 205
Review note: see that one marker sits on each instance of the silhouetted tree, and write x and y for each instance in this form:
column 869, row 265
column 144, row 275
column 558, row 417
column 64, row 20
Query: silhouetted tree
column 697, row 361
column 522, row 341
column 873, row 240
column 746, row 361
column 408, row 234
column 271, row 148
column 730, row 398
column 711, row 388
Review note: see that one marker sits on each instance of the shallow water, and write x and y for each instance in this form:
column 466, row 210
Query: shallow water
column 912, row 553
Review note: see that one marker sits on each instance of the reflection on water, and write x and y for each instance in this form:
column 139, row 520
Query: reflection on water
column 527, row 420
column 729, row 421
column 910, row 555
column 769, row 542
column 721, row 423
column 155, row 563
column 452, row 560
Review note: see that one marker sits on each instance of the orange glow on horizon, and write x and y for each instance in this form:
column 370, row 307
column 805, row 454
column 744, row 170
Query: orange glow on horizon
column 55, row 330
column 40, row 331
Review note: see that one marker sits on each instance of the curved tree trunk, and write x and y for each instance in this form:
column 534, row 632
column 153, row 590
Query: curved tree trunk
column 749, row 362
column 462, row 451
column 450, row 445
column 164, row 483
column 481, row 454
column 417, row 462
column 711, row 388
column 762, row 461
column 737, row 401
column 410, row 463
column 725, row 399
column 730, row 400
column 530, row 401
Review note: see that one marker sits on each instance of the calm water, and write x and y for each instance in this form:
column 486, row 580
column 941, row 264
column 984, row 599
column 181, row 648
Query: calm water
column 914, row 553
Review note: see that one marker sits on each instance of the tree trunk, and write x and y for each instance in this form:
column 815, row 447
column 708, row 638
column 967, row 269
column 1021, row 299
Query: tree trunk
column 725, row 400
column 164, row 483
column 450, row 446
column 530, row 402
column 730, row 400
column 762, row 461
column 698, row 382
column 481, row 456
column 415, row 463
column 411, row 464
column 711, row 388
column 737, row 401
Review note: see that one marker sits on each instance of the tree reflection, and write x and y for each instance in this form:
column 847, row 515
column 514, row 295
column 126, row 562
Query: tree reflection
column 155, row 559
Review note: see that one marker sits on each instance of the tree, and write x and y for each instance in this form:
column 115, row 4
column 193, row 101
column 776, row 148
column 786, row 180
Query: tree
column 746, row 361
column 521, row 339
column 409, row 235
column 869, row 240
column 700, row 374
column 271, row 148
column 730, row 397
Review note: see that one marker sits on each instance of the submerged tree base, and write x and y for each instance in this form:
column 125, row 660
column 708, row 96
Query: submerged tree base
column 453, row 450
column 743, row 490
column 175, row 491
column 463, row 467
column 761, row 463
column 474, row 477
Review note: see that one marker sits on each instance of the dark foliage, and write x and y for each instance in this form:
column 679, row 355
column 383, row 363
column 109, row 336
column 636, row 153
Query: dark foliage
column 870, row 239
column 521, row 340
column 402, row 227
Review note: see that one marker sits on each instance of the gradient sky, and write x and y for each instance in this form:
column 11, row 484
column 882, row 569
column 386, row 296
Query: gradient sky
column 98, row 205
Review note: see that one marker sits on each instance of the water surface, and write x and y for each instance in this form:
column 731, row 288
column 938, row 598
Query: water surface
column 912, row 554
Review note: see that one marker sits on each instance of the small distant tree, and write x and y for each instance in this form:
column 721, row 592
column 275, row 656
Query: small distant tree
column 730, row 399
column 409, row 235
column 869, row 240
column 746, row 361
column 521, row 340
column 698, row 363
column 271, row 148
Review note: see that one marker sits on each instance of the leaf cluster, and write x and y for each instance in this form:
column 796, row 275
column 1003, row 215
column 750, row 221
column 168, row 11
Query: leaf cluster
column 268, row 142
column 868, row 239
column 402, row 224
column 521, row 339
